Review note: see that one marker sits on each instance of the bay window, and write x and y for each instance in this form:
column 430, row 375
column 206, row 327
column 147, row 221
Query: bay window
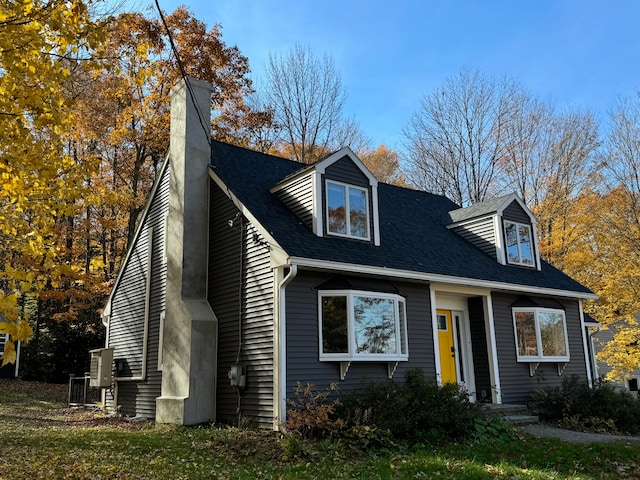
column 358, row 325
column 541, row 335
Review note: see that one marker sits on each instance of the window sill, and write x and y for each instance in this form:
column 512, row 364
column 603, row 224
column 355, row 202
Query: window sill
column 364, row 358
column 351, row 237
column 524, row 265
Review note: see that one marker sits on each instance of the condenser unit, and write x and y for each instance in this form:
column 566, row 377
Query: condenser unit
column 100, row 371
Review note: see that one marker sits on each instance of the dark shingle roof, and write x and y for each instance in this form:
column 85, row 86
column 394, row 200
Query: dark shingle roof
column 413, row 236
column 477, row 210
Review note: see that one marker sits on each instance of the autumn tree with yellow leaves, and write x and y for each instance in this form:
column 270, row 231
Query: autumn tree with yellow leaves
column 85, row 124
column 40, row 44
column 616, row 241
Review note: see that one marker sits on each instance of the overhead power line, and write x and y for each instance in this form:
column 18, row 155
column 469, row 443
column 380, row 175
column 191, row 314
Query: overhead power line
column 183, row 74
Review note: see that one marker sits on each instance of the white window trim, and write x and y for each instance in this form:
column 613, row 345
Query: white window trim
column 351, row 355
column 533, row 263
column 348, row 210
column 165, row 234
column 161, row 341
column 540, row 357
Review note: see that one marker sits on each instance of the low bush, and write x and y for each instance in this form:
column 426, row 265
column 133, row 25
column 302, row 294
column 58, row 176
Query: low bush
column 311, row 414
column 416, row 411
column 603, row 407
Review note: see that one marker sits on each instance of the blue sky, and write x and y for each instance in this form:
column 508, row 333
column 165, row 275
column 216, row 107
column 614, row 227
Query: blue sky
column 575, row 54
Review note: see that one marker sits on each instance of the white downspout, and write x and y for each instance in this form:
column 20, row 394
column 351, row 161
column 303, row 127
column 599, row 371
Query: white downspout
column 494, row 370
column 587, row 356
column 434, row 329
column 280, row 349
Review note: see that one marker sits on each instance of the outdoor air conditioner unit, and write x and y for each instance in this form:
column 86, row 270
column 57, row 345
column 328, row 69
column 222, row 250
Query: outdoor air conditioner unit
column 100, row 371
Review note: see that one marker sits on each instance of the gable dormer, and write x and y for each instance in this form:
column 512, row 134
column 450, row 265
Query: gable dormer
column 335, row 197
column 504, row 228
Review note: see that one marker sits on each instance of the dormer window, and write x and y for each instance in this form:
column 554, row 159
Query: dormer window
column 347, row 210
column 519, row 244
column 335, row 197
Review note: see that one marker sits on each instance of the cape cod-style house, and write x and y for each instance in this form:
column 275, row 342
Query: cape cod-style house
column 250, row 272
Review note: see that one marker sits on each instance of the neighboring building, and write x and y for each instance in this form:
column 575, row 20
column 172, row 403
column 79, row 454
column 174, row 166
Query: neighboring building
column 11, row 370
column 249, row 273
column 600, row 336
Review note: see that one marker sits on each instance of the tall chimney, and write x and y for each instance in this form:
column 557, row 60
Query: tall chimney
column 190, row 326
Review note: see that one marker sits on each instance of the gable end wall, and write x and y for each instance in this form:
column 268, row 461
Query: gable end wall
column 126, row 324
column 344, row 170
column 514, row 212
column 244, row 311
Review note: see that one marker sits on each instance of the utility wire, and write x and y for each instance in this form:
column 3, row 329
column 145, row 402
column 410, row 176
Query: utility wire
column 183, row 74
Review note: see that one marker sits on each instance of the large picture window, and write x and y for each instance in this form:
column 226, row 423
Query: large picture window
column 347, row 211
column 541, row 334
column 357, row 325
column 519, row 243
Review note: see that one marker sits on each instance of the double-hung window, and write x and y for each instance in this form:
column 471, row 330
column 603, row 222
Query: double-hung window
column 347, row 210
column 519, row 243
column 541, row 335
column 357, row 325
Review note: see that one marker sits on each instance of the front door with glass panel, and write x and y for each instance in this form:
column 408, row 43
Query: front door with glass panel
column 446, row 343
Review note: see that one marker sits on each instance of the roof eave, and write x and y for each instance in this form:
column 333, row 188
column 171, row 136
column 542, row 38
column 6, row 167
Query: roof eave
column 312, row 263
column 278, row 253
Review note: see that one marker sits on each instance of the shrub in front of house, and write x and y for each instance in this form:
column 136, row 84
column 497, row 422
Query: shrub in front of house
column 603, row 407
column 311, row 414
column 416, row 410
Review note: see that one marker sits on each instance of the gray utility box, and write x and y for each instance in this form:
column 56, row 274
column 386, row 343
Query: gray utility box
column 101, row 367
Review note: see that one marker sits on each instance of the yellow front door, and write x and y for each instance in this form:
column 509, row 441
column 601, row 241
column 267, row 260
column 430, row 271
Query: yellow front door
column 447, row 347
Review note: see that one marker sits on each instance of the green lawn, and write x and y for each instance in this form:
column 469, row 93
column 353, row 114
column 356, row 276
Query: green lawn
column 40, row 438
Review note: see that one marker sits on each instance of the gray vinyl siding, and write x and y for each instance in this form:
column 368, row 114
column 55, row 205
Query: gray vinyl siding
column 515, row 380
column 481, row 233
column 515, row 213
column 480, row 351
column 126, row 324
column 298, row 197
column 600, row 340
column 302, row 339
column 345, row 171
column 248, row 304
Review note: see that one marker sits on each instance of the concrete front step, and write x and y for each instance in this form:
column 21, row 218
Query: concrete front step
column 514, row 414
column 519, row 420
column 504, row 409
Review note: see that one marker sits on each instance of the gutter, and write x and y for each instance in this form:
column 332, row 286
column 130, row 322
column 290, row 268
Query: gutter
column 433, row 277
